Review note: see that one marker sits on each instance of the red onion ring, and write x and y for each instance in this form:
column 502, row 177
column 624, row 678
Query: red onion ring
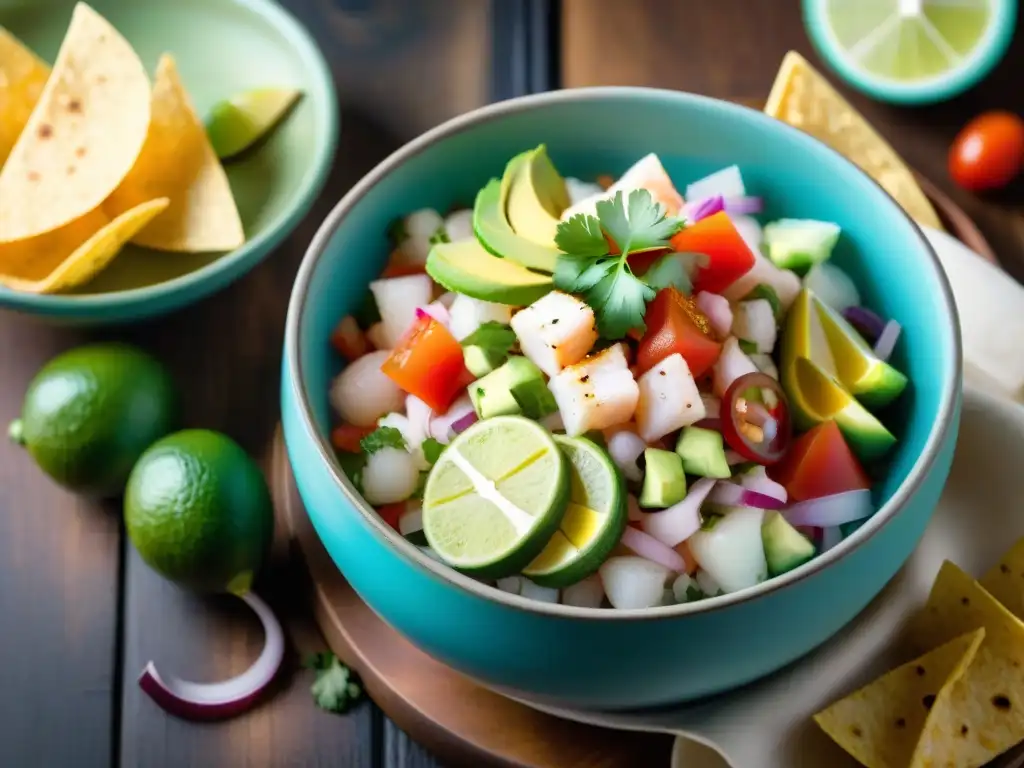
column 831, row 511
column 463, row 423
column 679, row 522
column 701, row 209
column 867, row 323
column 213, row 701
column 887, row 340
column 743, row 206
column 649, row 548
column 732, row 495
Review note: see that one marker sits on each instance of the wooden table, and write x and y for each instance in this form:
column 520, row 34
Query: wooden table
column 79, row 612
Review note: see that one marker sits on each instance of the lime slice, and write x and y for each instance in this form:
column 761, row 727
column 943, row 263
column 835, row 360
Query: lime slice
column 495, row 497
column 237, row 123
column 911, row 51
column 593, row 520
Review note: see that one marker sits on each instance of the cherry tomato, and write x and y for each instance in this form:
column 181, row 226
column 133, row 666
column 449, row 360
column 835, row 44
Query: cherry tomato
column 988, row 152
column 757, row 431
column 675, row 325
column 729, row 256
column 427, row 362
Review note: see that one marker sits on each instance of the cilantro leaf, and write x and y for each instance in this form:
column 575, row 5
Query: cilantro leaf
column 747, row 347
column 352, row 464
column 336, row 687
column 694, row 593
column 604, row 280
column 492, row 336
column 582, row 237
column 432, row 450
column 666, row 271
column 382, row 437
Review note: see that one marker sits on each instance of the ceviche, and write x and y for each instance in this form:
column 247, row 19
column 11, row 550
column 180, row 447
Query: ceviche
column 621, row 393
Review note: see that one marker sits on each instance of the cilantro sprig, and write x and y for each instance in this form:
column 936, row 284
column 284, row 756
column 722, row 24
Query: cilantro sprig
column 604, row 280
column 336, row 687
column 382, row 437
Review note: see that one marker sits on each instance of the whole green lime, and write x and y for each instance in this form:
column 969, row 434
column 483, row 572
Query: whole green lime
column 198, row 510
column 90, row 412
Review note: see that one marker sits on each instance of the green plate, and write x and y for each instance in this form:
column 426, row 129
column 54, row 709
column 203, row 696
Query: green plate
column 222, row 47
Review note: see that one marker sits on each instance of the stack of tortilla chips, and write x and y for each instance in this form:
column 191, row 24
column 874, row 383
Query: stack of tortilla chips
column 94, row 157
column 961, row 702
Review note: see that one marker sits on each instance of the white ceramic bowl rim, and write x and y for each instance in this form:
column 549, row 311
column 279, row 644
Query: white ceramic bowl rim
column 436, row 570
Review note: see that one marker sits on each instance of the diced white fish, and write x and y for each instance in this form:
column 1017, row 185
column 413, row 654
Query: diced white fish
column 419, row 227
column 588, row 593
column 706, row 584
column 832, row 285
column 466, row 314
column 397, row 300
column 755, row 322
column 633, row 582
column 765, row 365
column 459, row 225
column 784, row 282
column 727, row 182
column 732, row 551
column 731, row 364
column 511, row 584
column 669, row 399
column 390, row 476
column 596, row 393
column 555, row 331
column 537, row 592
column 362, row 393
column 646, row 173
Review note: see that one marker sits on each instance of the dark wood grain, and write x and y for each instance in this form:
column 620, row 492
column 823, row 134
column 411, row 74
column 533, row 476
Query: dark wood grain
column 732, row 49
column 59, row 561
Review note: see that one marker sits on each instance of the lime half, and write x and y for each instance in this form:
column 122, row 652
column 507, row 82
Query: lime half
column 593, row 520
column 911, row 51
column 495, row 497
column 237, row 123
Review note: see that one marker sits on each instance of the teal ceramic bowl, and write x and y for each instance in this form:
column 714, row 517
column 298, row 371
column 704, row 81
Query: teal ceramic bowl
column 609, row 659
column 221, row 47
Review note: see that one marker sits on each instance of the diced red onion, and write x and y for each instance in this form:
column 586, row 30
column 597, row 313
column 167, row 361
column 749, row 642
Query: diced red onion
column 419, row 415
column 651, row 549
column 701, row 209
column 436, row 310
column 625, row 448
column 679, row 522
column 463, row 423
column 830, row 511
column 212, row 701
column 887, row 340
column 868, row 323
column 718, row 311
column 830, row 537
column 757, row 480
column 732, row 495
column 744, row 206
column 732, row 458
column 441, row 425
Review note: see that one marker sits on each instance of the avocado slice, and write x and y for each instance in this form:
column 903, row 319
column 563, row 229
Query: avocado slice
column 517, row 387
column 664, row 479
column 785, row 547
column 496, row 235
column 872, row 381
column 536, row 196
column 465, row 267
column 703, row 452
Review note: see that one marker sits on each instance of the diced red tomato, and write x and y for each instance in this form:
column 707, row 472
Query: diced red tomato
column 729, row 256
column 348, row 340
column 427, row 362
column 346, row 437
column 683, row 549
column 391, row 513
column 402, row 270
column 820, row 463
column 671, row 328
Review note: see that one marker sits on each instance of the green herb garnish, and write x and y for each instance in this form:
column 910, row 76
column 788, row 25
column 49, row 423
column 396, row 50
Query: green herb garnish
column 336, row 687
column 382, row 437
column 766, row 292
column 352, row 464
column 432, row 450
column 440, row 236
column 493, row 338
column 606, row 282
column 694, row 593
column 666, row 271
column 747, row 347
column 710, row 521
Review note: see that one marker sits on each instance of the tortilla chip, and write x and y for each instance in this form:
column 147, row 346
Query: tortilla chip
column 881, row 723
column 84, row 134
column 178, row 162
column 1005, row 580
column 22, row 79
column 51, row 263
column 986, row 716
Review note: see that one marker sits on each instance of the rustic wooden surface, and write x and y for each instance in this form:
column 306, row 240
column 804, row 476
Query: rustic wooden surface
column 80, row 614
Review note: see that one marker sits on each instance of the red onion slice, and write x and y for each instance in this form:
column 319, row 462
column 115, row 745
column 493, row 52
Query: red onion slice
column 743, row 206
column 436, row 310
column 830, row 537
column 732, row 495
column 756, row 479
column 463, row 423
column 701, row 209
column 887, row 340
column 651, row 549
column 830, row 511
column 679, row 522
column 213, row 701
column 867, row 323
column 441, row 425
column 625, row 447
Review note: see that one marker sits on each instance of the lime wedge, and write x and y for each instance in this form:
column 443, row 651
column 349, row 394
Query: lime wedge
column 237, row 123
column 593, row 521
column 911, row 51
column 495, row 497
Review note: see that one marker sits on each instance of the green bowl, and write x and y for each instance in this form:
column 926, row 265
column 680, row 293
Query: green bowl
column 221, row 47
